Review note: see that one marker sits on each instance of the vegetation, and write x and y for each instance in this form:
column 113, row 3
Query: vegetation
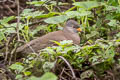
column 96, row 58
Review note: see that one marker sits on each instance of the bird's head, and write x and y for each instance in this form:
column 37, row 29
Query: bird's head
column 73, row 24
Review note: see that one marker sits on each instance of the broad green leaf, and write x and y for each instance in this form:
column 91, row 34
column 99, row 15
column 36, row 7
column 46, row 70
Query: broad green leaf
column 87, row 74
column 19, row 76
column 27, row 73
column 49, row 50
column 46, row 76
column 113, row 2
column 92, row 34
column 119, row 2
column 118, row 34
column 28, row 13
column 110, row 8
column 112, row 23
column 48, row 66
column 66, row 42
column 10, row 30
column 109, row 53
column 1, row 26
column 58, row 49
column 102, row 45
column 2, row 36
column 14, row 25
column 38, row 28
column 56, row 42
column 17, row 67
column 36, row 3
column 33, row 78
column 88, row 4
column 72, row 14
column 56, row 19
column 6, row 20
column 49, row 76
column 95, row 60
column 85, row 13
column 39, row 3
column 50, row 14
column 67, row 49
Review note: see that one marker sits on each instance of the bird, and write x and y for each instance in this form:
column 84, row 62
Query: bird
column 69, row 32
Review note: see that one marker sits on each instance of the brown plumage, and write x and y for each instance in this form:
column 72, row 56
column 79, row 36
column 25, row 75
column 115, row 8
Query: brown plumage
column 69, row 32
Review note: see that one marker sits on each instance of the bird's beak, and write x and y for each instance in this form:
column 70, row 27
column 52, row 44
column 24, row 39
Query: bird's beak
column 79, row 29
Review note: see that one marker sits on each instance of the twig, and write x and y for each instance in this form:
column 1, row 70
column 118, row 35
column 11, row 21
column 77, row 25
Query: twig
column 18, row 19
column 68, row 65
column 36, row 22
column 67, row 74
column 6, row 53
column 58, row 8
column 7, row 7
column 12, row 52
column 28, row 46
column 46, row 1
column 31, row 48
column 57, row 5
column 62, row 78
column 111, row 74
column 57, row 1
column 62, row 72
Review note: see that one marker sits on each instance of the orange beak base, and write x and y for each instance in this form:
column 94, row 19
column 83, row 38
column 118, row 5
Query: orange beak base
column 79, row 29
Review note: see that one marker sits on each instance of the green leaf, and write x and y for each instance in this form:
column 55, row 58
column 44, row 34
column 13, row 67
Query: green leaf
column 48, row 66
column 113, row 2
column 67, row 49
column 72, row 14
column 6, row 20
column 50, row 14
column 39, row 3
column 33, row 78
column 59, row 49
column 10, row 30
column 14, row 25
column 56, row 42
column 92, row 34
column 28, row 13
column 46, row 76
column 66, row 42
column 49, row 50
column 27, row 73
column 118, row 34
column 86, row 74
column 2, row 36
column 119, row 2
column 38, row 28
column 17, row 66
column 56, row 19
column 19, row 76
column 36, row 3
column 112, row 23
column 88, row 4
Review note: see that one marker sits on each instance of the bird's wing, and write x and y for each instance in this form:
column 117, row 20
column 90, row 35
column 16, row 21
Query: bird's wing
column 41, row 42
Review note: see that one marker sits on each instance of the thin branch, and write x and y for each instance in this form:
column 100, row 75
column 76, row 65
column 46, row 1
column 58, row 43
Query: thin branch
column 7, row 48
column 12, row 53
column 62, row 72
column 18, row 18
column 73, row 73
